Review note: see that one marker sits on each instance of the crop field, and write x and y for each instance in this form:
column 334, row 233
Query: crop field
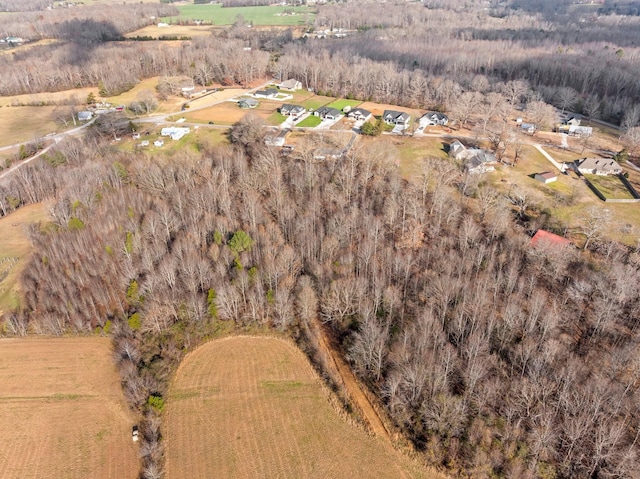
column 173, row 31
column 15, row 249
column 250, row 407
column 62, row 414
column 269, row 15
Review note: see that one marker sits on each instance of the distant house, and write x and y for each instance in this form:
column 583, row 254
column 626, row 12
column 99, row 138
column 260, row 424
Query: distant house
column 247, row 103
column 291, row 84
column 292, row 110
column 268, row 93
column 392, row 117
column 475, row 160
column 84, row 115
column 545, row 238
column 135, row 136
column 327, row 113
column 528, row 128
column 146, row 143
column 174, row 132
column 433, row 118
column 546, row 177
column 597, row 166
column 159, row 142
column 573, row 121
column 359, row 114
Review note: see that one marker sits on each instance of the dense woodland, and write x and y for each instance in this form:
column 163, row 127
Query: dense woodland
column 495, row 359
column 491, row 356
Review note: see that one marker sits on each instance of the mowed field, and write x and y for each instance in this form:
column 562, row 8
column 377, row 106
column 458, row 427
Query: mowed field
column 253, row 407
column 267, row 15
column 228, row 112
column 62, row 414
column 15, row 249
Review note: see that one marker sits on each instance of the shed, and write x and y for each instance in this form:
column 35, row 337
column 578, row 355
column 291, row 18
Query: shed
column 84, row 115
column 546, row 177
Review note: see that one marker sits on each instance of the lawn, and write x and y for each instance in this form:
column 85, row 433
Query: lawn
column 265, row 15
column 413, row 151
column 63, row 414
column 310, row 122
column 15, row 249
column 228, row 112
column 316, row 102
column 276, row 118
column 340, row 104
column 253, row 407
column 610, row 186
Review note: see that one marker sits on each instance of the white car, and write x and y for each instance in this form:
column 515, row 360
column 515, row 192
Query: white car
column 135, row 434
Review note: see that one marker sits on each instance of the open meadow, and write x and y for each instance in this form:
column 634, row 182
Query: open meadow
column 15, row 249
column 62, row 412
column 228, row 112
column 253, row 407
column 267, row 15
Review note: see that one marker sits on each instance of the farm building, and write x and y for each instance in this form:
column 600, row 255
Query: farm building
column 545, row 238
column 175, row 132
column 546, row 177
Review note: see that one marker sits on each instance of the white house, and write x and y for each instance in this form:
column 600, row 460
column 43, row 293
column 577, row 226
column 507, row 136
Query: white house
column 291, row 84
column 84, row 115
column 433, row 118
column 475, row 160
column 175, row 132
column 159, row 142
column 268, row 93
column 393, row 117
column 598, row 166
column 546, row 177
column 359, row 114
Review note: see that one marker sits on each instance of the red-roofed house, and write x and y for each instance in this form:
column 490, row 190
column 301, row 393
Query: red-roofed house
column 545, row 238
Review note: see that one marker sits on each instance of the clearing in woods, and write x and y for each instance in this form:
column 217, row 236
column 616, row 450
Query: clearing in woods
column 62, row 413
column 253, row 407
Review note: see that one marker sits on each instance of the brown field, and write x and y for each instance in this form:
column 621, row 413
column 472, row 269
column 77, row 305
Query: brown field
column 247, row 407
column 14, row 244
column 65, row 97
column 62, row 414
column 24, row 123
column 228, row 113
column 378, row 108
column 174, row 31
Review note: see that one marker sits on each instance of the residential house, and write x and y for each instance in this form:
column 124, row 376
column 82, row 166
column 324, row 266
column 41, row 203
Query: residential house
column 597, row 166
column 573, row 121
column 528, row 128
column 475, row 160
column 268, row 93
column 546, row 177
column 146, row 143
column 393, row 117
column 174, row 132
column 291, row 84
column 545, row 238
column 135, row 136
column 247, row 103
column 292, row 110
column 327, row 113
column 159, row 142
column 84, row 115
column 359, row 114
column 433, row 118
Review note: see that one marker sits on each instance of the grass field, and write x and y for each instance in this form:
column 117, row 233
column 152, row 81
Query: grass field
column 340, row 104
column 62, row 413
column 610, row 186
column 76, row 96
column 316, row 101
column 378, row 108
column 247, row 407
column 276, row 118
column 174, row 31
column 15, row 249
column 270, row 15
column 24, row 123
column 228, row 113
column 310, row 122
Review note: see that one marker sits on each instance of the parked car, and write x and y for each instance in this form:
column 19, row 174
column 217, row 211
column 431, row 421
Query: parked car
column 135, row 433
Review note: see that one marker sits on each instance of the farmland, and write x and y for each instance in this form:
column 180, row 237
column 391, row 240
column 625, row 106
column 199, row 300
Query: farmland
column 14, row 250
column 62, row 413
column 269, row 15
column 249, row 407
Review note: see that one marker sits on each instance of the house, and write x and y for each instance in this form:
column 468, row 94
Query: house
column 247, row 103
column 433, row 118
column 291, row 84
column 545, row 238
column 174, row 132
column 84, row 115
column 292, row 110
column 582, row 131
column 392, row 117
column 546, row 177
column 146, row 143
column 573, row 121
column 268, row 93
column 135, row 136
column 159, row 142
column 528, row 128
column 597, row 166
column 475, row 160
column 327, row 113
column 359, row 114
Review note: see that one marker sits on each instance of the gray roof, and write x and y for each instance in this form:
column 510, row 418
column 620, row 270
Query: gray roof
column 359, row 112
column 327, row 111
column 288, row 108
column 395, row 115
column 602, row 166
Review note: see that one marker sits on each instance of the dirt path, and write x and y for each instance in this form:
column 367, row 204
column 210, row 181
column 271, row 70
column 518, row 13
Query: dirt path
column 352, row 386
